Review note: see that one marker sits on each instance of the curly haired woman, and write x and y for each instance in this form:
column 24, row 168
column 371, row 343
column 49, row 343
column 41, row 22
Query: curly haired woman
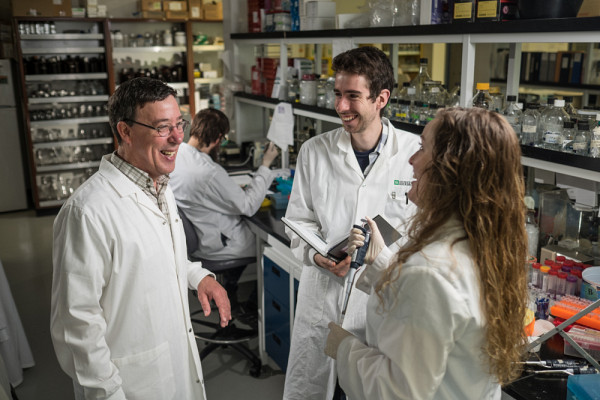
column 445, row 316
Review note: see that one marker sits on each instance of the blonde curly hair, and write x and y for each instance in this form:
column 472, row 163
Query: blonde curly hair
column 476, row 175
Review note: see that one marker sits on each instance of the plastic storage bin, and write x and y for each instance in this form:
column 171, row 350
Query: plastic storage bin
column 583, row 387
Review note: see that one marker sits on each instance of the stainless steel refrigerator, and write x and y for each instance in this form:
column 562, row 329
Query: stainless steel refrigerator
column 12, row 175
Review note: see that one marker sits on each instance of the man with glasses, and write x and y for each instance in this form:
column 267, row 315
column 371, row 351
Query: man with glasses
column 120, row 319
column 211, row 200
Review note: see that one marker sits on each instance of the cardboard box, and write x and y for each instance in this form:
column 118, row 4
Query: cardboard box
column 177, row 15
column 153, row 14
column 150, row 5
column 589, row 8
column 195, row 7
column 41, row 8
column 213, row 11
column 174, row 5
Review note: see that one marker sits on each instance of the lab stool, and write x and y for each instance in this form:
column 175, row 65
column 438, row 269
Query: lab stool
column 227, row 273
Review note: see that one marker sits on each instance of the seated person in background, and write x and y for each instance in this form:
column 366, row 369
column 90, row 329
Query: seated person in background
column 445, row 319
column 210, row 199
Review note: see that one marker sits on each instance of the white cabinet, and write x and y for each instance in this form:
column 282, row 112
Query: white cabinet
column 65, row 86
column 251, row 123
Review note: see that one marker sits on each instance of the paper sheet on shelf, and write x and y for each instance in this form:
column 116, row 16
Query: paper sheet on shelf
column 281, row 131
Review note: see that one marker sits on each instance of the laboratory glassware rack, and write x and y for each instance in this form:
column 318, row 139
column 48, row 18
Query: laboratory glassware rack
column 64, row 142
column 564, row 30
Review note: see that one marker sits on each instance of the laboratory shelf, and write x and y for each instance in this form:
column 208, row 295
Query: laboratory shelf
column 75, row 142
column 63, row 50
column 65, row 77
column 68, row 167
column 148, row 49
column 65, row 36
column 319, row 113
column 54, row 122
column 539, row 30
column 554, row 85
column 67, row 99
column 199, row 48
column 51, row 203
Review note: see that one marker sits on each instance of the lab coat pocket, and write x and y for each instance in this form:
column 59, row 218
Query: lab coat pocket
column 396, row 204
column 312, row 293
column 147, row 375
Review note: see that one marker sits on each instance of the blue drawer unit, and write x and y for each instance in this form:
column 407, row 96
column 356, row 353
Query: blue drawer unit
column 277, row 281
column 277, row 330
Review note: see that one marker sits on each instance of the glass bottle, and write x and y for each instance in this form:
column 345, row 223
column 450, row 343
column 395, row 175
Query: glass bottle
column 595, row 142
column 532, row 228
column 581, row 142
column 392, row 105
column 530, row 125
column 415, row 112
column 453, row 97
column 403, row 110
column 497, row 103
column 482, row 98
column 513, row 114
column 552, row 125
column 569, row 108
column 167, row 38
column 568, row 136
column 419, row 81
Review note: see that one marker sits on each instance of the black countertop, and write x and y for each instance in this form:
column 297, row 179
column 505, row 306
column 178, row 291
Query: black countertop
column 269, row 220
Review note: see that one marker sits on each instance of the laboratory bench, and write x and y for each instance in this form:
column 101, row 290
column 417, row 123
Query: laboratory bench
column 278, row 274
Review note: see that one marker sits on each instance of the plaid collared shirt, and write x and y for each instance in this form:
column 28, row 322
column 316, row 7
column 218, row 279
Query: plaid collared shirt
column 143, row 180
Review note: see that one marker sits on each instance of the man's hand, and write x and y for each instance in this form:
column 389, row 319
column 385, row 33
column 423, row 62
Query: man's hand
column 209, row 289
column 340, row 269
column 271, row 153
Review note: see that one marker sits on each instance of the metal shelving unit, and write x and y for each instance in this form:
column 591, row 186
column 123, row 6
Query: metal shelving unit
column 572, row 30
column 63, row 152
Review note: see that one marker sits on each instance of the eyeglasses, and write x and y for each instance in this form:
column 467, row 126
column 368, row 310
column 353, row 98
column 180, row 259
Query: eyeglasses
column 164, row 130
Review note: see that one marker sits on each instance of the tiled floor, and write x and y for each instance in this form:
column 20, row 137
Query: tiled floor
column 26, row 254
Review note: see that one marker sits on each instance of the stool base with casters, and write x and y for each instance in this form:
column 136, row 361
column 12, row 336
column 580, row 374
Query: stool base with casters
column 228, row 273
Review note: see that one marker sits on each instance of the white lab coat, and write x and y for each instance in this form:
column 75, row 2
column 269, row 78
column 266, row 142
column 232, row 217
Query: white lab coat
column 120, row 320
column 214, row 204
column 330, row 194
column 425, row 342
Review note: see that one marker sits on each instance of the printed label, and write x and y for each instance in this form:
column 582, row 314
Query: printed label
column 487, row 9
column 463, row 10
column 529, row 128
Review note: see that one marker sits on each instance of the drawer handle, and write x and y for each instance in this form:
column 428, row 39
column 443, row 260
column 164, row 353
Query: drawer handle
column 276, row 271
column 276, row 306
column 276, row 339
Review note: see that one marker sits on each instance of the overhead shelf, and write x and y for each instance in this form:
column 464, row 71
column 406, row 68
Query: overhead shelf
column 66, row 99
column 575, row 30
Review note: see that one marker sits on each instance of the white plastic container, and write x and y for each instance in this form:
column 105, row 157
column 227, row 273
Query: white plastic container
column 590, row 284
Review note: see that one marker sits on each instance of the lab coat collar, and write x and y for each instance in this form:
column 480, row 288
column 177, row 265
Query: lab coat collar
column 125, row 187
column 390, row 147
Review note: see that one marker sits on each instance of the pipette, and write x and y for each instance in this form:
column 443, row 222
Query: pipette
column 558, row 364
column 568, row 371
column 358, row 258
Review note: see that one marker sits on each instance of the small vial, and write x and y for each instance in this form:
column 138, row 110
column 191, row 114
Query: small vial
column 577, row 273
column 561, row 283
column 535, row 275
column 552, row 283
column 571, row 285
column 544, row 278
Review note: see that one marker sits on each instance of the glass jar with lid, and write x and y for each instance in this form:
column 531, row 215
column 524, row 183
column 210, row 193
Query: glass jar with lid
column 308, row 90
